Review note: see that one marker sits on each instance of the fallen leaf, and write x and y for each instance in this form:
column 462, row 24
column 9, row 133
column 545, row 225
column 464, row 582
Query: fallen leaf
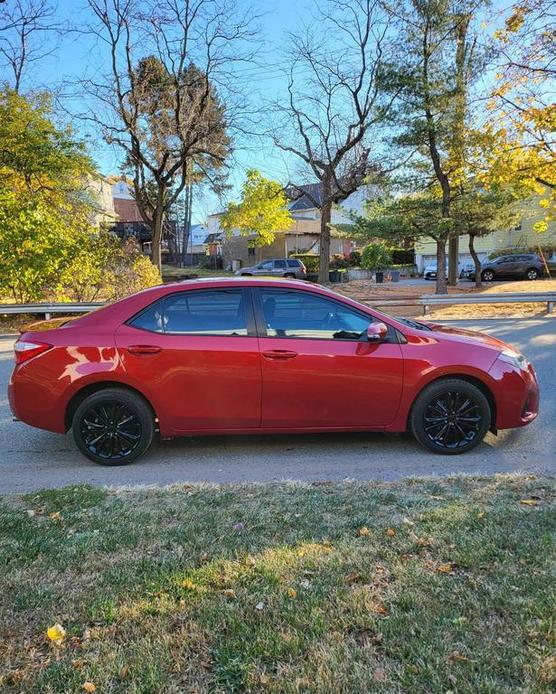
column 124, row 672
column 259, row 606
column 56, row 633
column 529, row 502
column 457, row 657
column 30, row 513
column 445, row 568
column 89, row 687
column 364, row 531
column 264, row 679
column 238, row 527
column 292, row 592
column 408, row 522
column 78, row 663
column 305, row 583
column 354, row 577
column 379, row 675
column 229, row 593
column 390, row 532
column 188, row 585
column 480, row 514
column 55, row 515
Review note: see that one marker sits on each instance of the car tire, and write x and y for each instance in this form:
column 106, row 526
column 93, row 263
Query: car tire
column 532, row 274
column 246, row 274
column 487, row 275
column 450, row 416
column 120, row 443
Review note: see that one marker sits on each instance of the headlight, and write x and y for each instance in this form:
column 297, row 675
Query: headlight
column 514, row 358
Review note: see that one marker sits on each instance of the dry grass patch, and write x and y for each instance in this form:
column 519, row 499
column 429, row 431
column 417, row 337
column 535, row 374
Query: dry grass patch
column 422, row 586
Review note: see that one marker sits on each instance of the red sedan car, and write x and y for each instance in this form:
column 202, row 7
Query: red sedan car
column 236, row 356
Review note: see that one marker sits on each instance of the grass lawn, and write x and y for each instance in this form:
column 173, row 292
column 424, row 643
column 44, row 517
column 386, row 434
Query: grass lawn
column 417, row 586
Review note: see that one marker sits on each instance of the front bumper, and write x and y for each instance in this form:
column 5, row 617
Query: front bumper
column 518, row 396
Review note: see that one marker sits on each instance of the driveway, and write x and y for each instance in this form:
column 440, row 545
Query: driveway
column 31, row 459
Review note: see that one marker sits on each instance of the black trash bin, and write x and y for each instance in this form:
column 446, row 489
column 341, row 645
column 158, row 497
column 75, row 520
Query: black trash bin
column 379, row 277
column 334, row 275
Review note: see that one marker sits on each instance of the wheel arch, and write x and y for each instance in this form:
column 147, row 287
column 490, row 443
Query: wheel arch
column 481, row 385
column 84, row 392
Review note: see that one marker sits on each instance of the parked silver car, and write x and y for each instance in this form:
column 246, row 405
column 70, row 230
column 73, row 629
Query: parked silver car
column 278, row 267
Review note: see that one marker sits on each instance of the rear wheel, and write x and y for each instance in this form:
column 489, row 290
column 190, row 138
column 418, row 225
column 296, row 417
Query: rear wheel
column 487, row 275
column 113, row 426
column 532, row 273
column 450, row 417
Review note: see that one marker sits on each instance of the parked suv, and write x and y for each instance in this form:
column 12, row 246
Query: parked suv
column 524, row 266
column 279, row 267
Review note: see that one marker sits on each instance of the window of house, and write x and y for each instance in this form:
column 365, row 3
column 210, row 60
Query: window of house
column 212, row 312
column 302, row 315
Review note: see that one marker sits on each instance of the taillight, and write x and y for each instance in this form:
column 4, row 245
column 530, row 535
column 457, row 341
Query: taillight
column 27, row 350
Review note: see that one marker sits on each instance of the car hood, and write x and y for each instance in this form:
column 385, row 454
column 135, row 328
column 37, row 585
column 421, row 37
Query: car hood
column 462, row 335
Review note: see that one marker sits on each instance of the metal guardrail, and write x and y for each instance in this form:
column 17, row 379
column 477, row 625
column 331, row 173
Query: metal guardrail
column 47, row 309
column 548, row 298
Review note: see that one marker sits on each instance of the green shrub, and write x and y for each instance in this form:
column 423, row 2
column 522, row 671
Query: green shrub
column 375, row 256
column 548, row 250
column 354, row 259
column 403, row 256
column 310, row 260
column 339, row 262
column 211, row 262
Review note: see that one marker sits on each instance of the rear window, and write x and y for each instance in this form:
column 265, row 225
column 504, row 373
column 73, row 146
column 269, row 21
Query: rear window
column 213, row 312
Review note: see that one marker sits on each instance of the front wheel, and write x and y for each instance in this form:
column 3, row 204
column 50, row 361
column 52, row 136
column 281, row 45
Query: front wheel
column 113, row 426
column 450, row 417
column 532, row 274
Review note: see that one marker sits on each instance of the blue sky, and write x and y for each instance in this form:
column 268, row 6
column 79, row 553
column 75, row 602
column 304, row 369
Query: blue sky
column 77, row 55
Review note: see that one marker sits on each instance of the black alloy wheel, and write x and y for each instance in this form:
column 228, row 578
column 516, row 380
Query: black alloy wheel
column 113, row 427
column 532, row 273
column 450, row 417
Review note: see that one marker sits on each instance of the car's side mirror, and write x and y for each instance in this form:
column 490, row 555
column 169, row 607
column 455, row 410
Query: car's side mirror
column 377, row 332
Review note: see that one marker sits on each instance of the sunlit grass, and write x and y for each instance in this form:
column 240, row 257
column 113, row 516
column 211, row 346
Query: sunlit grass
column 278, row 588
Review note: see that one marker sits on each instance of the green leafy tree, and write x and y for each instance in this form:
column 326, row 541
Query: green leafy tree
column 261, row 212
column 37, row 244
column 43, row 207
column 438, row 62
column 375, row 256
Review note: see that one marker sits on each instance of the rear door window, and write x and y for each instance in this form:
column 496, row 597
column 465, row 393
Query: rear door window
column 212, row 312
column 280, row 264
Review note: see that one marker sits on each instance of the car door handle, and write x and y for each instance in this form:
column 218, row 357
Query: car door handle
column 144, row 349
column 279, row 354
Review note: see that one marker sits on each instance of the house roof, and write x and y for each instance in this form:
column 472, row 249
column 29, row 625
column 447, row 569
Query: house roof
column 302, row 201
column 127, row 210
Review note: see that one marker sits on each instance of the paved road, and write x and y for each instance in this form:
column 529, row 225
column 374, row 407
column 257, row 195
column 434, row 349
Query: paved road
column 31, row 459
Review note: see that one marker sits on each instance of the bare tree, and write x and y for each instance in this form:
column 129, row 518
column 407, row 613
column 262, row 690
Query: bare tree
column 158, row 101
column 334, row 100
column 28, row 33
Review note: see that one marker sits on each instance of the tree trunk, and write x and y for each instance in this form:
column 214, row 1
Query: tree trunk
column 441, row 286
column 453, row 258
column 476, row 260
column 156, row 241
column 324, row 252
